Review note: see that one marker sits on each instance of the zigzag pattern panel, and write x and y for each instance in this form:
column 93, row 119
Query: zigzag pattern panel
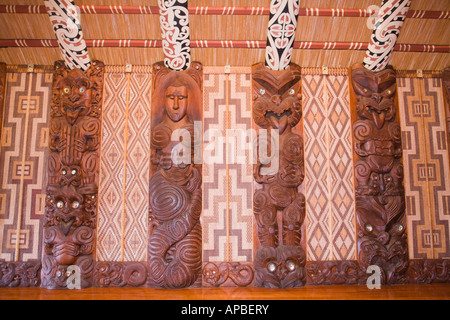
column 123, row 204
column 329, row 186
column 24, row 142
column 240, row 169
column 414, row 160
column 426, row 167
column 215, row 182
column 227, row 171
column 434, row 121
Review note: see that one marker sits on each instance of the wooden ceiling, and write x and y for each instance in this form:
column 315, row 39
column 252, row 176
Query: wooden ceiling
column 229, row 27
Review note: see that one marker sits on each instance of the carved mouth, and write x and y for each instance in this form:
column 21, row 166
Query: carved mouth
column 72, row 109
column 278, row 115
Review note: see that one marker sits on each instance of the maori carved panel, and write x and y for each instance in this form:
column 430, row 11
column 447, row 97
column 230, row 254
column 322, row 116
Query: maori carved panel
column 20, row 274
column 429, row 271
column 175, row 242
column 120, row 274
column 380, row 195
column 73, row 170
column 224, row 274
column 278, row 206
column 334, row 272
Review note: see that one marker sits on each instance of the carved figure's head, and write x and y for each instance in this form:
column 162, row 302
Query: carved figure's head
column 211, row 273
column 375, row 93
column 66, row 208
column 280, row 267
column 277, row 97
column 75, row 95
column 176, row 100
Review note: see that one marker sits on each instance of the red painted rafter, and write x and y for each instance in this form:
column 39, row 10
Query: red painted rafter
column 304, row 12
column 252, row 44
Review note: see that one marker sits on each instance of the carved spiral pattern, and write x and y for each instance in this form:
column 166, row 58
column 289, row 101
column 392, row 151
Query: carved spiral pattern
column 395, row 132
column 174, row 245
column 161, row 135
column 84, row 236
column 362, row 130
column 293, row 148
column 167, row 200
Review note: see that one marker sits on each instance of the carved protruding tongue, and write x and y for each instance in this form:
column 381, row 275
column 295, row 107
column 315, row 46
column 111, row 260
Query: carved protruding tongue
column 72, row 115
column 378, row 118
column 279, row 124
column 66, row 224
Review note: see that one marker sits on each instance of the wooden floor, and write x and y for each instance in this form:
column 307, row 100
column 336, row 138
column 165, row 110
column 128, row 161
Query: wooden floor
column 403, row 292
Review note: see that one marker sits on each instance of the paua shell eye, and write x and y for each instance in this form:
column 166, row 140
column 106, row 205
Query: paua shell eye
column 60, row 204
column 271, row 267
column 262, row 91
column 291, row 92
column 82, row 90
column 290, row 265
column 75, row 205
column 66, row 90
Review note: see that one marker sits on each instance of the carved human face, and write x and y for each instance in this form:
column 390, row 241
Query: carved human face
column 176, row 102
column 277, row 98
column 280, row 267
column 75, row 95
column 375, row 94
column 67, row 207
column 211, row 274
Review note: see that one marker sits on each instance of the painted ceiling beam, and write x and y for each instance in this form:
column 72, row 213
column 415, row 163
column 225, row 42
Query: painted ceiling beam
column 234, row 44
column 175, row 33
column 303, row 12
column 281, row 33
column 385, row 33
column 65, row 19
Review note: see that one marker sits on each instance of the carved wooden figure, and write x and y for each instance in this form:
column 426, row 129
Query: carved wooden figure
column 380, row 195
column 278, row 206
column 119, row 274
column 228, row 273
column 175, row 185
column 73, row 169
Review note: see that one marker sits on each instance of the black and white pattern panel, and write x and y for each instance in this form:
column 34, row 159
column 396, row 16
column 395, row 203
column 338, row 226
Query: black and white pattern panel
column 65, row 18
column 175, row 34
column 387, row 27
column 281, row 33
